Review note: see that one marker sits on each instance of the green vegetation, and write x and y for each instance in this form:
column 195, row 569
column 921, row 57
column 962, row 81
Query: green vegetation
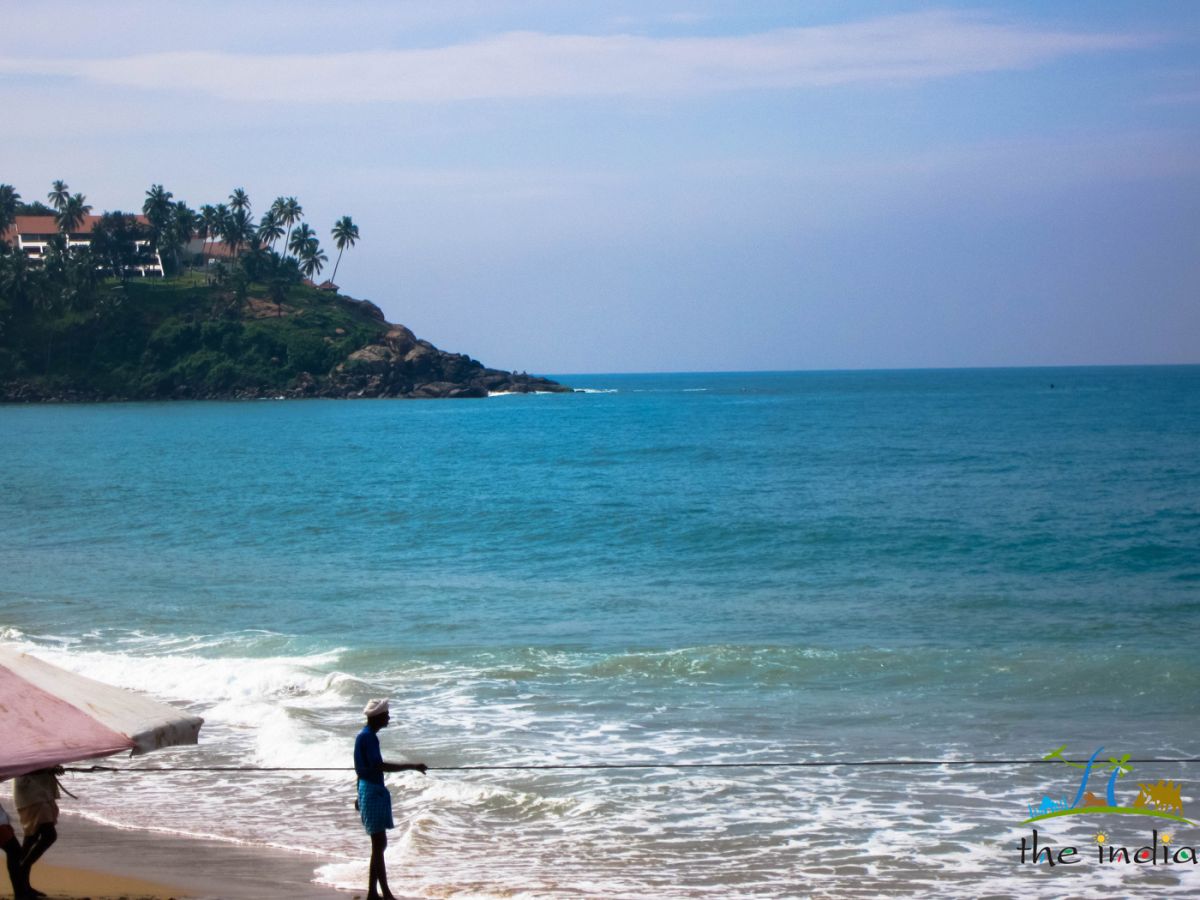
column 183, row 336
column 79, row 322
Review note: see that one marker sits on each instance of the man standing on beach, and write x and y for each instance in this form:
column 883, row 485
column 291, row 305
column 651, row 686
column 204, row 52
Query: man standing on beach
column 35, row 796
column 12, row 853
column 374, row 800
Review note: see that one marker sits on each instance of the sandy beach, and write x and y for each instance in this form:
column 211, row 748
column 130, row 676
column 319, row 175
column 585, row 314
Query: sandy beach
column 96, row 861
column 62, row 881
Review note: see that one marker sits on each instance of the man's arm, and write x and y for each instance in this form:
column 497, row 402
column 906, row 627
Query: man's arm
column 404, row 767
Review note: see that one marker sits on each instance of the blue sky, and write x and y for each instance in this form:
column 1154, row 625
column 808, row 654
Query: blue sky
column 667, row 186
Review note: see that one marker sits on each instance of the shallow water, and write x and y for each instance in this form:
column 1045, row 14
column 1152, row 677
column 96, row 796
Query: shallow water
column 673, row 568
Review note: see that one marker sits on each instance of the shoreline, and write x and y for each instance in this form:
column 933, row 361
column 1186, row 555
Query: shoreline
column 97, row 861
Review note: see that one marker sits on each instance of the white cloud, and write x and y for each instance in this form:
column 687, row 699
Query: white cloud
column 889, row 50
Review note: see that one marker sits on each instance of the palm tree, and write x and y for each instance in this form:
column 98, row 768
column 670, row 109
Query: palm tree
column 54, row 262
column 313, row 260
column 299, row 242
column 290, row 213
column 58, row 195
column 1118, row 770
column 9, row 200
column 204, row 226
column 182, row 226
column 157, row 210
column 221, row 221
column 158, row 199
column 269, row 229
column 239, row 229
column 114, row 242
column 276, row 210
column 255, row 259
column 239, row 200
column 73, row 213
column 345, row 234
column 78, row 279
column 283, row 274
column 1087, row 770
column 212, row 222
column 20, row 281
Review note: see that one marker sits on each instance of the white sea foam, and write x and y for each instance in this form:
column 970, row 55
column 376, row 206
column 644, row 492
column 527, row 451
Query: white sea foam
column 200, row 679
column 348, row 875
column 523, row 393
column 548, row 834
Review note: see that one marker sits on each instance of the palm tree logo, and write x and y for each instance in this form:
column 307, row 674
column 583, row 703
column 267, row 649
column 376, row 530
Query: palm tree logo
column 1160, row 801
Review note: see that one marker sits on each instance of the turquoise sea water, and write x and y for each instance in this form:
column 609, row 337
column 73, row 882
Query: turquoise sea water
column 667, row 568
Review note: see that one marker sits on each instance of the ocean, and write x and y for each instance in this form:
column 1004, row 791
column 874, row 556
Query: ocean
column 827, row 567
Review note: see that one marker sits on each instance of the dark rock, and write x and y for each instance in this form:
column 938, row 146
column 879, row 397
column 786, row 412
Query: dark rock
column 366, row 306
column 400, row 339
column 373, row 359
column 434, row 389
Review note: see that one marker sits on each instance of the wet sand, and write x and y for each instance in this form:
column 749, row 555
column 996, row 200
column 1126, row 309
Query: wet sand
column 97, row 861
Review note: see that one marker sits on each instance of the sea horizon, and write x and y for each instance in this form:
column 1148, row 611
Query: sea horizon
column 883, row 369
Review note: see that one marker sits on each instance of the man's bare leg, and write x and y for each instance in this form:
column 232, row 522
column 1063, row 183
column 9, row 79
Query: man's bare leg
column 12, row 854
column 32, row 849
column 378, row 874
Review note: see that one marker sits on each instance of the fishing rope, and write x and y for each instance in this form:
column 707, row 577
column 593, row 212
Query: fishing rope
column 899, row 763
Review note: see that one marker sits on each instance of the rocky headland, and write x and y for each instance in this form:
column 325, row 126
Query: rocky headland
column 200, row 344
column 401, row 365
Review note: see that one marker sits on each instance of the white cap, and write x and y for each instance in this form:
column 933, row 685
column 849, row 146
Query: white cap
column 375, row 708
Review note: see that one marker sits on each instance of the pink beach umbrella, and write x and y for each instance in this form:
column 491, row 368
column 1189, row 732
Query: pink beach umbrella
column 49, row 716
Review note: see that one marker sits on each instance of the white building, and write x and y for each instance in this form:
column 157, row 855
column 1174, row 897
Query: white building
column 32, row 235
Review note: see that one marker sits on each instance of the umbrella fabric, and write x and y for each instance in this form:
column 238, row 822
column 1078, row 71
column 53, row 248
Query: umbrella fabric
column 49, row 716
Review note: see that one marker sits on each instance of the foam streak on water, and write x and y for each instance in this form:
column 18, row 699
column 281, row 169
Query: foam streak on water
column 671, row 569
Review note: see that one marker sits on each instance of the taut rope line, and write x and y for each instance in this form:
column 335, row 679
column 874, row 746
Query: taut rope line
column 898, row 763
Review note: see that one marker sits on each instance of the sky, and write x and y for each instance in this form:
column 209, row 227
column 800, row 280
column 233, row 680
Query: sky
column 693, row 185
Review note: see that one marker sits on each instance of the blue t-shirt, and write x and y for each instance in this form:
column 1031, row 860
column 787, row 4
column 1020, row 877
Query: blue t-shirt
column 368, row 760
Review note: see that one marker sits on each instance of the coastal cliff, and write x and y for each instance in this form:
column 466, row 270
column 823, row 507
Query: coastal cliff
column 190, row 339
column 398, row 364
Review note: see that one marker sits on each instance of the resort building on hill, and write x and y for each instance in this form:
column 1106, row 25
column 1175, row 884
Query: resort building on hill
column 209, row 251
column 32, row 235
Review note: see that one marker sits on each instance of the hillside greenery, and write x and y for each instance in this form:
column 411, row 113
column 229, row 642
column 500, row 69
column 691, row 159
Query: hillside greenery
column 190, row 334
column 79, row 320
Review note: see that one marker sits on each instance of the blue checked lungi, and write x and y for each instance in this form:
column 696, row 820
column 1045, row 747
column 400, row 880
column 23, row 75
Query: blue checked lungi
column 375, row 807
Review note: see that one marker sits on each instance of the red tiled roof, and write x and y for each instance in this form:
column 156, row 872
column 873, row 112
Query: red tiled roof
column 211, row 247
column 43, row 224
column 48, row 225
column 31, row 225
